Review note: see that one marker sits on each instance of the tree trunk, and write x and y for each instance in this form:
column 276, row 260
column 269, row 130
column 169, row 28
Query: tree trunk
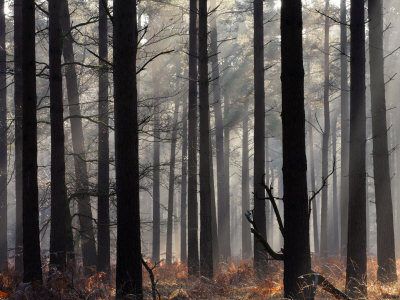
column 325, row 140
column 296, row 205
column 30, row 213
column 246, row 238
column 345, row 129
column 223, row 212
column 214, row 225
column 103, row 180
column 184, row 184
column 356, row 275
column 58, row 192
column 78, row 145
column 312, row 178
column 227, row 130
column 206, row 245
column 193, row 244
column 3, row 143
column 171, row 183
column 383, row 196
column 129, row 265
column 335, row 203
column 259, row 138
column 18, row 133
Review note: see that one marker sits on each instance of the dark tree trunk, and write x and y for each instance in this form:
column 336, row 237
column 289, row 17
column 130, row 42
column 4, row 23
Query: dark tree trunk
column 312, row 178
column 345, row 129
column 296, row 206
column 227, row 130
column 206, row 245
column 356, row 274
column 129, row 266
column 30, row 212
column 156, row 182
column 246, row 238
column 171, row 187
column 325, row 140
column 259, row 137
column 3, row 143
column 184, row 184
column 335, row 203
column 78, row 145
column 18, row 133
column 214, row 226
column 103, row 188
column 58, row 193
column 193, row 244
column 223, row 212
column 383, row 196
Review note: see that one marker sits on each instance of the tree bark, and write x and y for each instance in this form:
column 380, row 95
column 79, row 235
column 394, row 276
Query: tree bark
column 58, row 192
column 30, row 212
column 103, row 185
column 78, row 145
column 383, row 196
column 259, row 137
column 356, row 275
column 129, row 265
column 18, row 85
column 335, row 203
column 184, row 184
column 193, row 244
column 296, row 204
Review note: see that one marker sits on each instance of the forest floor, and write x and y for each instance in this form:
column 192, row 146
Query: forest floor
column 233, row 281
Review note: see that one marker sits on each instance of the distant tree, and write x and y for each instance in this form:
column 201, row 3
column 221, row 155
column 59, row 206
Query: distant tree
column 30, row 213
column 103, row 186
column 335, row 204
column 356, row 272
column 58, row 193
column 193, row 248
column 382, row 180
column 129, row 266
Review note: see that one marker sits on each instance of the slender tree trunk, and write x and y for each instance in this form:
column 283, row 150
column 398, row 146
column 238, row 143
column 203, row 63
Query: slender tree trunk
column 335, row 203
column 214, row 225
column 184, row 184
column 356, row 274
column 156, row 183
column 18, row 133
column 206, row 245
column 345, row 129
column 268, row 205
column 312, row 178
column 3, row 143
column 223, row 212
column 325, row 140
column 383, row 195
column 58, row 193
column 171, row 183
column 129, row 266
column 193, row 244
column 296, row 205
column 259, row 137
column 30, row 213
column 227, row 130
column 246, row 238
column 103, row 185
column 78, row 145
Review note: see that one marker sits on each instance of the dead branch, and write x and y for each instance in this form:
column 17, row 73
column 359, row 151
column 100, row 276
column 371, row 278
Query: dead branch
column 154, row 291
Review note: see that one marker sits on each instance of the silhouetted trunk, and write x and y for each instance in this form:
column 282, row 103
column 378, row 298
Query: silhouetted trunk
column 335, row 203
column 78, row 144
column 383, row 195
column 129, row 265
column 214, row 226
column 268, row 206
column 345, row 129
column 58, row 193
column 156, row 181
column 18, row 133
column 3, row 144
column 227, row 130
column 103, row 187
column 312, row 178
column 30, row 212
column 296, row 205
column 193, row 244
column 184, row 183
column 246, row 238
column 356, row 242
column 325, row 139
column 171, row 183
column 259, row 138
column 206, row 245
column 223, row 212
